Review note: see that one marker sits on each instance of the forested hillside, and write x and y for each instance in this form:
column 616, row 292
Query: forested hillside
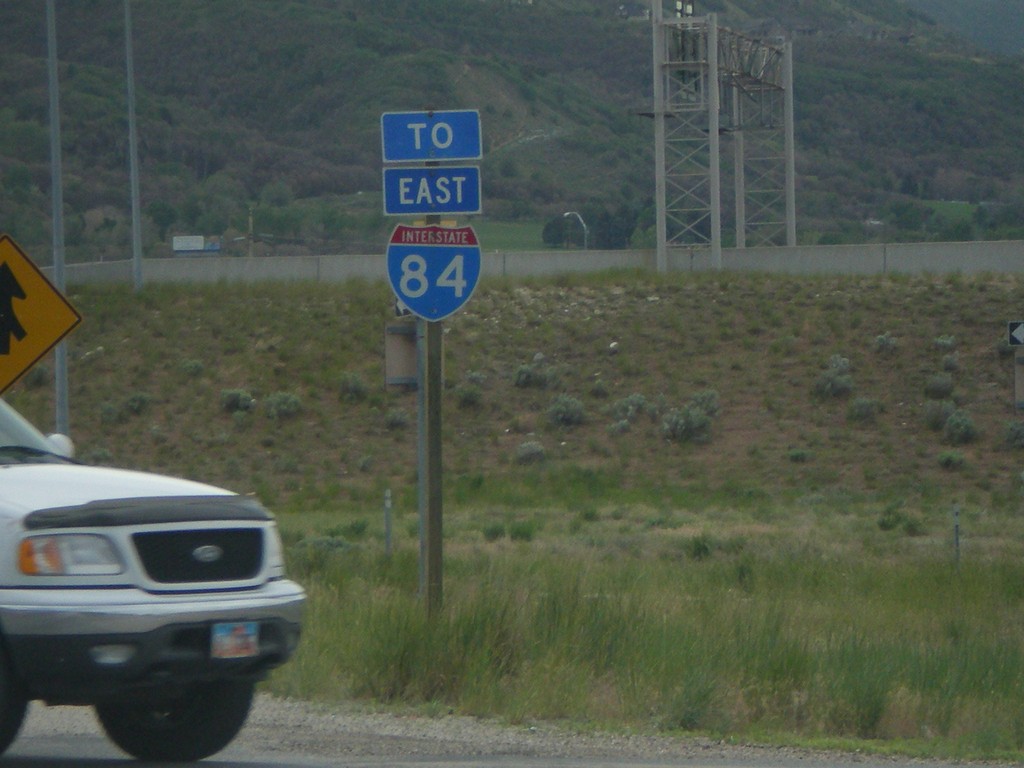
column 996, row 25
column 268, row 111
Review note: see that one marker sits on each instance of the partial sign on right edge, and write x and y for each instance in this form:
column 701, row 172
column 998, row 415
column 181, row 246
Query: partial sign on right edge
column 1015, row 333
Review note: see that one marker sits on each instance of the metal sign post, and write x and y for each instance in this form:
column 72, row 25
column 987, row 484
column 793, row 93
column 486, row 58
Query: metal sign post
column 433, row 271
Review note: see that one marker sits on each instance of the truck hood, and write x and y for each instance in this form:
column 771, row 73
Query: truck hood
column 25, row 488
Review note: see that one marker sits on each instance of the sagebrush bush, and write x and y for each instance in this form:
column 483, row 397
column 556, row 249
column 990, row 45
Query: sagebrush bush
column 939, row 386
column 863, row 409
column 352, row 388
column 535, row 376
column 959, row 428
column 687, row 425
column 937, row 412
column 833, row 383
column 468, row 395
column 1014, row 435
column 629, row 408
column 951, row 460
column 530, row 452
column 282, row 405
column 707, row 401
column 886, row 343
column 396, row 419
column 233, row 400
column 566, row 411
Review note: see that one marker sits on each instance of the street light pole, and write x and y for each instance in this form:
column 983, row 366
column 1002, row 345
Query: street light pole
column 582, row 224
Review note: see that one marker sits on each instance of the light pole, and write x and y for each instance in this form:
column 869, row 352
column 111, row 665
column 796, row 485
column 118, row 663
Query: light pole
column 582, row 224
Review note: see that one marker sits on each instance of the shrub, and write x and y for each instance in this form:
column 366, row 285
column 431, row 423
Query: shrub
column 886, row 344
column 566, row 411
column 946, row 343
column 937, row 412
column 352, row 388
column 1015, row 434
column 939, row 386
column 951, row 362
column 137, row 403
column 959, row 428
column 39, row 375
column 396, row 418
column 232, row 400
column 835, row 380
column 535, row 376
column 863, row 409
column 799, row 455
column 628, row 408
column 522, row 530
column 951, row 460
column 530, row 452
column 689, row 424
column 468, row 395
column 833, row 384
column 839, row 364
column 494, row 531
column 113, row 413
column 282, row 405
column 707, row 401
column 891, row 518
column 619, row 427
column 192, row 367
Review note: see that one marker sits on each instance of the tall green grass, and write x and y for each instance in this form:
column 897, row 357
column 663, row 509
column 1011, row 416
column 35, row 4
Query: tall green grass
column 728, row 645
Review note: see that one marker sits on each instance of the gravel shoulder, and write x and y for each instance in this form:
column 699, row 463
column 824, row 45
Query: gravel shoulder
column 348, row 733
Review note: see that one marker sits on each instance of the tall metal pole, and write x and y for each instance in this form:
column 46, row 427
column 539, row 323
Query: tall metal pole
column 787, row 84
column 714, row 138
column 133, row 152
column 57, row 197
column 740, row 171
column 434, row 533
column 661, row 224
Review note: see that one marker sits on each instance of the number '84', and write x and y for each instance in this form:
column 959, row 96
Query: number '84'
column 415, row 282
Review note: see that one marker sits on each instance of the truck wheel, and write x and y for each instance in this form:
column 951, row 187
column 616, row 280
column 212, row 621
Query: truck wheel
column 12, row 704
column 201, row 721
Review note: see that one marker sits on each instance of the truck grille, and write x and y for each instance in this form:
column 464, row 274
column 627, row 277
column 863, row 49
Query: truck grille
column 181, row 557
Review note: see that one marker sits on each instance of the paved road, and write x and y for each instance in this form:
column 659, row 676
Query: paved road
column 296, row 735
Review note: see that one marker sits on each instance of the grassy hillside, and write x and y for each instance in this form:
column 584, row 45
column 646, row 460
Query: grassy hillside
column 820, row 395
column 715, row 503
column 272, row 108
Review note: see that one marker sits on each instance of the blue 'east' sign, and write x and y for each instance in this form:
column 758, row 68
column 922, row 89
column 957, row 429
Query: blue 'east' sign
column 450, row 135
column 410, row 191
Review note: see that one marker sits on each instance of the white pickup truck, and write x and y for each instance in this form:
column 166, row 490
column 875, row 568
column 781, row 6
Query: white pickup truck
column 156, row 600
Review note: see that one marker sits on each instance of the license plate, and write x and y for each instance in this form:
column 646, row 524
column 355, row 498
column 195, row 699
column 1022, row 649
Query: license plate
column 235, row 640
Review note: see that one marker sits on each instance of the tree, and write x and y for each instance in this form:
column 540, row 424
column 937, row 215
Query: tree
column 163, row 215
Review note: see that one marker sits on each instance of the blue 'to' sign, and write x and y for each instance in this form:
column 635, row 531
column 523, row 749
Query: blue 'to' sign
column 427, row 136
column 433, row 270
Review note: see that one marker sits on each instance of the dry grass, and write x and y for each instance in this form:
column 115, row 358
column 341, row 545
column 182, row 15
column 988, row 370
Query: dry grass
column 148, row 372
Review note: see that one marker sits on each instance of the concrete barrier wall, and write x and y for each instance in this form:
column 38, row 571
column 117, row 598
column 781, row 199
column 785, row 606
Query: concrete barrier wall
column 873, row 259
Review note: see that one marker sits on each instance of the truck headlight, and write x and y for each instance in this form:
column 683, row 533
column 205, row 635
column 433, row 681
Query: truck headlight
column 275, row 553
column 68, row 554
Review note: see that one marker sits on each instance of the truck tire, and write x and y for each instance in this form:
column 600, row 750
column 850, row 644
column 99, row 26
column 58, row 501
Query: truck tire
column 12, row 704
column 196, row 724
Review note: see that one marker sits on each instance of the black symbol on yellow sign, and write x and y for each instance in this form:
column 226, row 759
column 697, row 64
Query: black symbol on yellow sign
column 34, row 315
column 9, row 324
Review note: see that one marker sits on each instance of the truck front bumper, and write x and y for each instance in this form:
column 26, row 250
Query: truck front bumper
column 84, row 646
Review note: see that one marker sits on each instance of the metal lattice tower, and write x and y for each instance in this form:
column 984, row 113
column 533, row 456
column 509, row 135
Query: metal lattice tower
column 713, row 86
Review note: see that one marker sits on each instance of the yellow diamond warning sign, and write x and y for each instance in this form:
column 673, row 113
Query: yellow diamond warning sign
column 34, row 315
